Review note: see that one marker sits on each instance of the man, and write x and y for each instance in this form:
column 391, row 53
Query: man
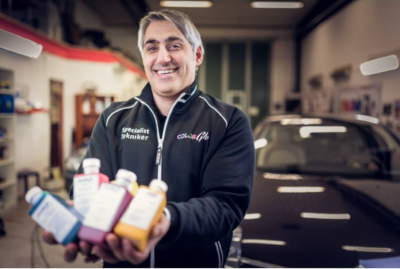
column 201, row 147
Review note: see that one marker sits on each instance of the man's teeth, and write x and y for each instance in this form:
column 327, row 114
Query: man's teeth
column 165, row 71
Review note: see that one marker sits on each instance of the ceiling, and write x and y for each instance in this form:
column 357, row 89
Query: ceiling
column 223, row 13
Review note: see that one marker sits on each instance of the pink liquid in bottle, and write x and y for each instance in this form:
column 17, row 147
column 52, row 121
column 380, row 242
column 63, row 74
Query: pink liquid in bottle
column 86, row 185
column 107, row 208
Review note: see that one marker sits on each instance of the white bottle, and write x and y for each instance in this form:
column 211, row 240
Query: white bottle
column 86, row 185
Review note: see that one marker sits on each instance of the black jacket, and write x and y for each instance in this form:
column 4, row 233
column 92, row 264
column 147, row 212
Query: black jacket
column 206, row 158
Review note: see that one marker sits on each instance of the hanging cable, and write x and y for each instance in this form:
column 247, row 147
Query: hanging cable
column 38, row 241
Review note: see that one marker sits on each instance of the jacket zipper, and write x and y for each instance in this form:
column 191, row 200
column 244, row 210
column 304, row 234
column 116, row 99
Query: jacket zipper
column 161, row 140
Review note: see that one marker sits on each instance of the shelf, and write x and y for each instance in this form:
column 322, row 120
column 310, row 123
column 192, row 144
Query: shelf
column 31, row 112
column 6, row 184
column 6, row 162
column 9, row 92
column 6, row 115
column 6, row 139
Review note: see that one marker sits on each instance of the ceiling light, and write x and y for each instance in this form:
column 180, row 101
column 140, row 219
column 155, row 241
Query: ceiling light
column 252, row 216
column 367, row 249
column 307, row 130
column 195, row 4
column 308, row 215
column 262, row 4
column 300, row 189
column 264, row 242
column 20, row 45
column 260, row 143
column 380, row 65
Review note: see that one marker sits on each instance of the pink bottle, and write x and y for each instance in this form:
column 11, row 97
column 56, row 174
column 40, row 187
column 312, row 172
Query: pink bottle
column 107, row 208
column 86, row 185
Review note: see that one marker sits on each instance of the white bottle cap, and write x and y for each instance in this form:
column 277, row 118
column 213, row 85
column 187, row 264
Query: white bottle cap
column 32, row 192
column 125, row 178
column 156, row 184
column 90, row 162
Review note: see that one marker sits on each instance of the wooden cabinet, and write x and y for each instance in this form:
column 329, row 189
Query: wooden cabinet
column 88, row 108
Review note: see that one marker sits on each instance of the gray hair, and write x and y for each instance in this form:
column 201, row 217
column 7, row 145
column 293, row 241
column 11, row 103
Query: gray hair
column 178, row 19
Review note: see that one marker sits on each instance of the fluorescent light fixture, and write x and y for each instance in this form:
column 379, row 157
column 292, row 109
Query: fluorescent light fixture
column 268, row 4
column 367, row 249
column 260, row 143
column 307, row 130
column 380, row 65
column 300, row 189
column 308, row 215
column 252, row 216
column 300, row 121
column 367, row 119
column 282, row 177
column 20, row 45
column 194, row 4
column 264, row 242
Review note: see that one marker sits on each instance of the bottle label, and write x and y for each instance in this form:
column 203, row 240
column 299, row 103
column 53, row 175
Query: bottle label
column 85, row 188
column 105, row 206
column 142, row 210
column 55, row 218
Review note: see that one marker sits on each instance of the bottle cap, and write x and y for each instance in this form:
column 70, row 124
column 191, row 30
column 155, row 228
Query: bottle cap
column 90, row 162
column 158, row 185
column 125, row 178
column 32, row 192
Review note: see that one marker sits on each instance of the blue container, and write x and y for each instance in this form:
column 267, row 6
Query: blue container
column 6, row 103
column 53, row 214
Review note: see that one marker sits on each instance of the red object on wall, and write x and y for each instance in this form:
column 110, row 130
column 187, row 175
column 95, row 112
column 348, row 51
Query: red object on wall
column 64, row 50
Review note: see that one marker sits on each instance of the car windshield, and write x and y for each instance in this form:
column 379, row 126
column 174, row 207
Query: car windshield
column 327, row 147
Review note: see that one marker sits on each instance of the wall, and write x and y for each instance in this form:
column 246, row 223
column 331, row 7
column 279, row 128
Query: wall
column 364, row 30
column 33, row 131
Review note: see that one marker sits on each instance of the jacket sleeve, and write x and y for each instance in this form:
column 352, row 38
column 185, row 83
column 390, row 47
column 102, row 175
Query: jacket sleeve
column 98, row 148
column 226, row 190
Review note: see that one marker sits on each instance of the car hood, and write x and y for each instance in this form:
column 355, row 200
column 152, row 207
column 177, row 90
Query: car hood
column 316, row 221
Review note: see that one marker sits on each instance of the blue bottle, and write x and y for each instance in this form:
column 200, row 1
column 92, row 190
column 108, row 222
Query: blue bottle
column 53, row 214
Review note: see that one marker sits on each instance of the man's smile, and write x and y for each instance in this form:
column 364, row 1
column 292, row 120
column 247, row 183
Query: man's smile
column 166, row 71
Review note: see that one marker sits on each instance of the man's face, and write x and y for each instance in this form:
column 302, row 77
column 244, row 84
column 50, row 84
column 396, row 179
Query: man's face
column 168, row 59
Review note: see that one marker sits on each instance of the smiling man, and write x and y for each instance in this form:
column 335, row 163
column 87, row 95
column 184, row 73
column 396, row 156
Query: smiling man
column 201, row 147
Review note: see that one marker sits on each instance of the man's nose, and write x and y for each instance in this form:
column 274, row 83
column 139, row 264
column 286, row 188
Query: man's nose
column 163, row 56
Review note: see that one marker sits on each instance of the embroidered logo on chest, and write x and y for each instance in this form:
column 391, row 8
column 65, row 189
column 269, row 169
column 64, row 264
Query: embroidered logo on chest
column 135, row 133
column 199, row 137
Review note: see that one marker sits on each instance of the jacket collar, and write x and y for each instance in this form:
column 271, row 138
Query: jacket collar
column 185, row 101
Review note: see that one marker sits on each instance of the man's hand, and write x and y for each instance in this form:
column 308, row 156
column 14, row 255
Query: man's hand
column 124, row 250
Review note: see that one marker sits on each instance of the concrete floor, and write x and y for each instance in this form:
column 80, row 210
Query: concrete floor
column 15, row 247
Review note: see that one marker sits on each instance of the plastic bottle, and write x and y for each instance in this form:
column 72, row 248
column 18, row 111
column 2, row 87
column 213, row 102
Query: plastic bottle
column 143, row 213
column 107, row 207
column 87, row 184
column 53, row 214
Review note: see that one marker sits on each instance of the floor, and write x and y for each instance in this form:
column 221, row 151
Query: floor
column 16, row 248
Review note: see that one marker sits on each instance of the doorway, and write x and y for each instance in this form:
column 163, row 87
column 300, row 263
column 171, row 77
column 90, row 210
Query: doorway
column 56, row 121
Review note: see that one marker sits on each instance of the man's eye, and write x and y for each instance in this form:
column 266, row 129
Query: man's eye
column 151, row 48
column 175, row 46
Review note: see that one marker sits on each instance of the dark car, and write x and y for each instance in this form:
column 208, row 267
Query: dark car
column 326, row 194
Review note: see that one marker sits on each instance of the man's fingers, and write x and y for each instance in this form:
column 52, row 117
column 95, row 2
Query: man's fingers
column 104, row 254
column 70, row 253
column 70, row 202
column 85, row 248
column 114, row 243
column 132, row 254
column 49, row 238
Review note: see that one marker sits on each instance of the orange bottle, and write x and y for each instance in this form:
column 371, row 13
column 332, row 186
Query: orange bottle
column 143, row 213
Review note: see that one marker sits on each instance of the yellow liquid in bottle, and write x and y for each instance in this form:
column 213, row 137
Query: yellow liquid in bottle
column 139, row 236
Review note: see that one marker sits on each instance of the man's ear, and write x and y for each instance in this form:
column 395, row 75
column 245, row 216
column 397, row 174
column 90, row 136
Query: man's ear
column 199, row 56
